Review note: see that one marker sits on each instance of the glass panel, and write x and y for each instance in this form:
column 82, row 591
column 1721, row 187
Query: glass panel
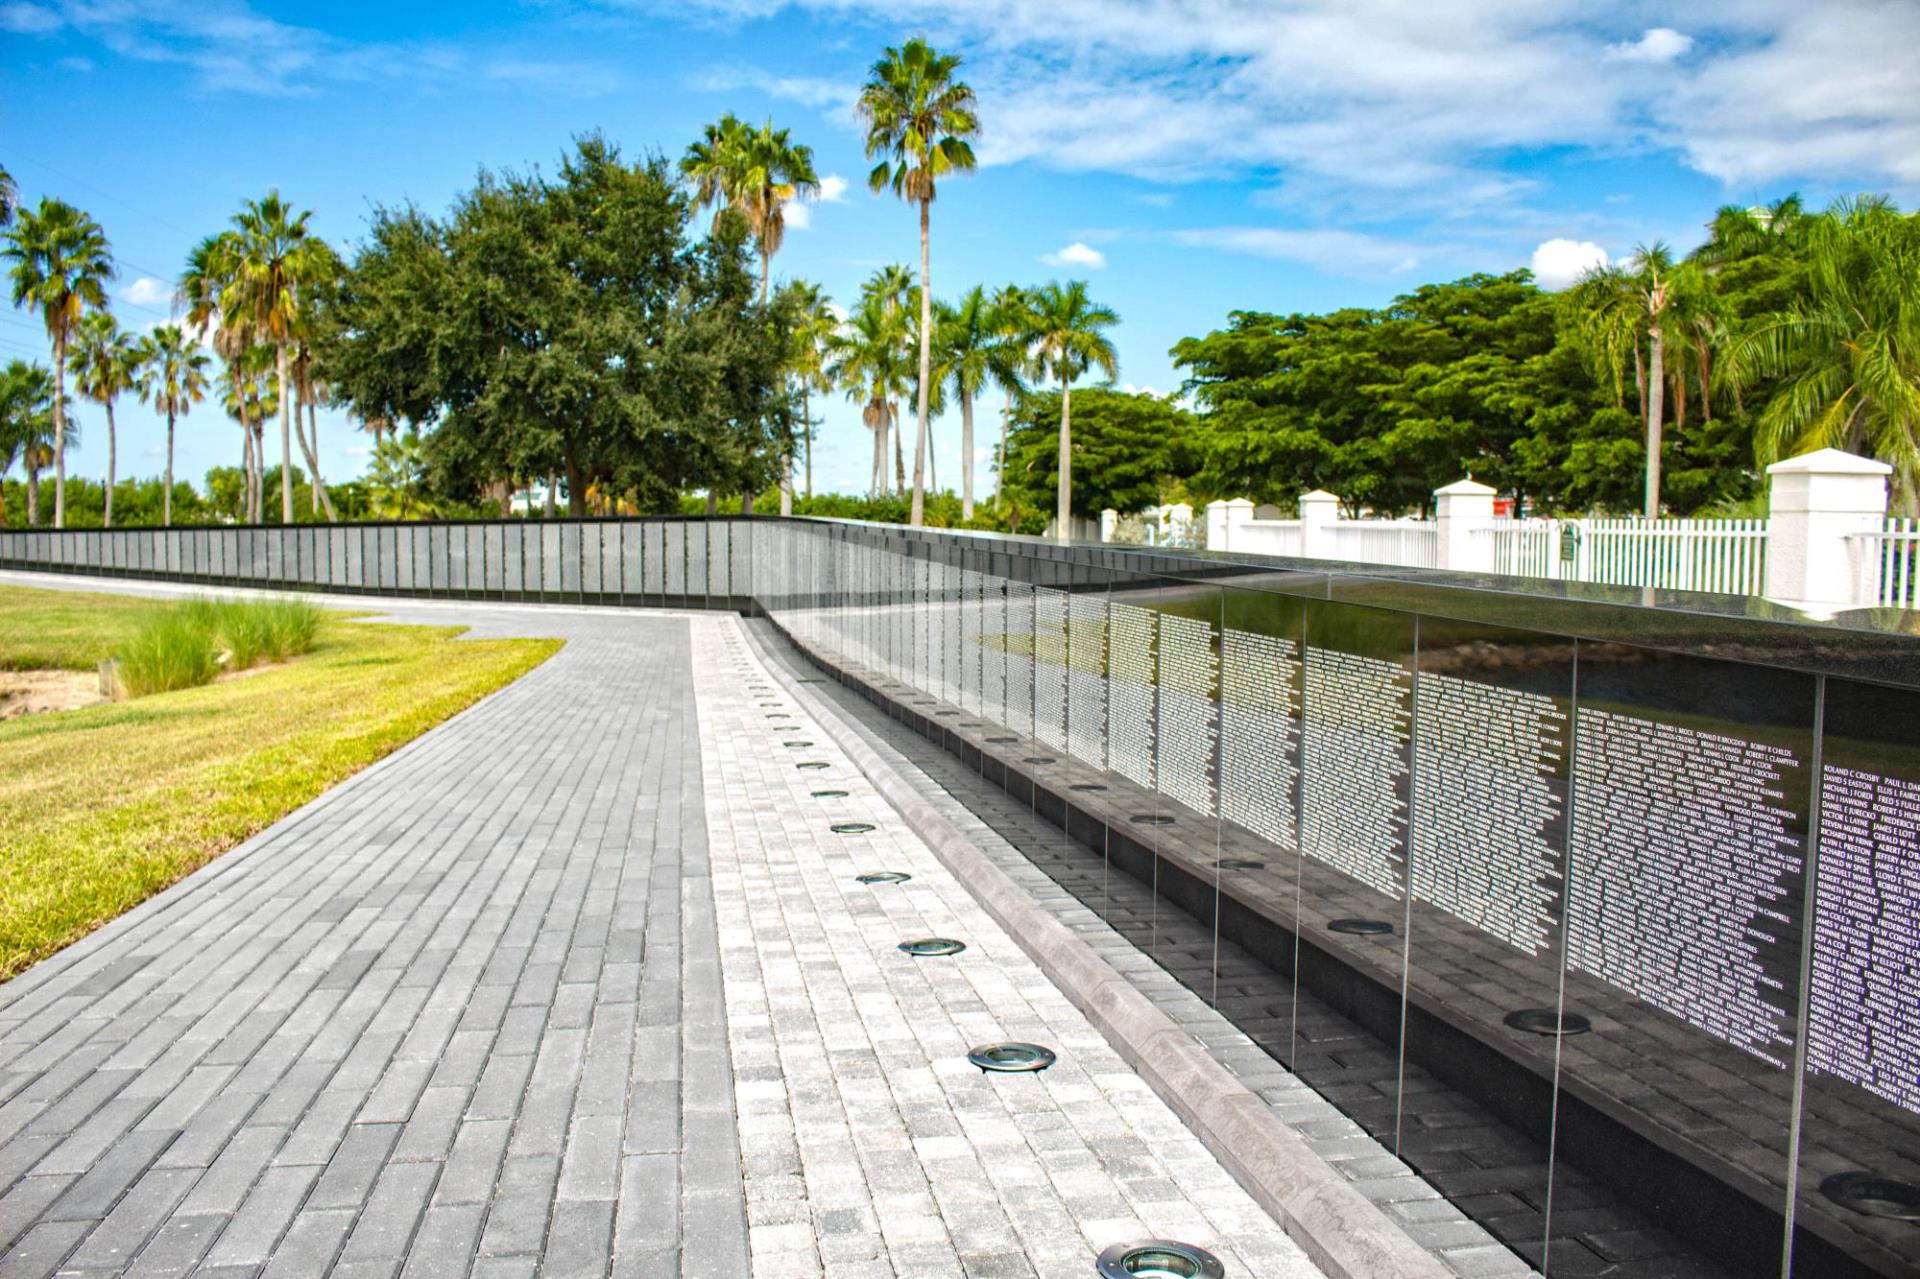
column 630, row 574
column 1858, row 1183
column 719, row 558
column 513, row 558
column 476, row 539
column 551, row 581
column 571, row 559
column 494, row 545
column 695, row 537
column 675, row 550
column 653, row 561
column 1684, row 912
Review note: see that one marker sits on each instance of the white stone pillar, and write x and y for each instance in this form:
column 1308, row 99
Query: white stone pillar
column 1224, row 517
column 1814, row 502
column 1460, row 508
column 1109, row 521
column 1180, row 522
column 1318, row 511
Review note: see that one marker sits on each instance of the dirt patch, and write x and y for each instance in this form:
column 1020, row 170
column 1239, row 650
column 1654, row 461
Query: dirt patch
column 32, row 692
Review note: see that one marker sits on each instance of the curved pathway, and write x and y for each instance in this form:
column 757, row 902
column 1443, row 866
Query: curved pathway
column 575, row 984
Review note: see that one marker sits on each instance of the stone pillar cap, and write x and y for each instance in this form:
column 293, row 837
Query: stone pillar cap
column 1318, row 495
column 1830, row 462
column 1468, row 487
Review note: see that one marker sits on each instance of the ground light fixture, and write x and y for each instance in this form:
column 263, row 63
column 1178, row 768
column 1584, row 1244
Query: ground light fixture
column 1360, row 927
column 1011, row 1058
column 1151, row 819
column 883, row 877
column 829, row 794
column 1547, row 1021
column 1003, row 739
column 1158, row 1259
column 851, row 828
column 1873, row 1196
column 1240, row 863
column 1038, row 759
column 812, row 764
column 796, row 745
column 1084, row 787
column 929, row 947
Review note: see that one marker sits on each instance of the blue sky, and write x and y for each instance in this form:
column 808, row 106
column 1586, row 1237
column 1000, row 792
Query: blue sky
column 1186, row 157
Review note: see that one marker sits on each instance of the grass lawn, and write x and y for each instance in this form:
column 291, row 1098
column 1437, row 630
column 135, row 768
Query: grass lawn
column 102, row 807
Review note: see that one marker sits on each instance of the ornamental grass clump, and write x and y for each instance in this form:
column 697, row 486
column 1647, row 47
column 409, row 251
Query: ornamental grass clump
column 288, row 626
column 170, row 648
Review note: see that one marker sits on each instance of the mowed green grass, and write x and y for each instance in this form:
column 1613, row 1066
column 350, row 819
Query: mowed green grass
column 102, row 807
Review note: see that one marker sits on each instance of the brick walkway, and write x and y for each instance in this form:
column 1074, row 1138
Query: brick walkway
column 466, row 1014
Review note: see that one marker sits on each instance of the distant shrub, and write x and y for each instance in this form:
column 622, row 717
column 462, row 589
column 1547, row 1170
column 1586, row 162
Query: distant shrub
column 179, row 645
column 288, row 626
column 170, row 648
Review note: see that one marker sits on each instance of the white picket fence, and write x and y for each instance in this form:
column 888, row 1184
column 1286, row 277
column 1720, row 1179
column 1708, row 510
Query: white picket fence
column 1405, row 543
column 1889, row 562
column 1725, row 556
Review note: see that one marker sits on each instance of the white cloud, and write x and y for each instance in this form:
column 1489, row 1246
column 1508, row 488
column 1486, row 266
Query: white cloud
column 1360, row 106
column 1335, row 252
column 28, row 19
column 833, row 189
column 1558, row 263
column 1657, row 44
column 1076, row 254
column 147, row 291
column 797, row 214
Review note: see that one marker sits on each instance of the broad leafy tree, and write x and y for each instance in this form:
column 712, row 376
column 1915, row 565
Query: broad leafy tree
column 919, row 120
column 1126, row 447
column 60, row 266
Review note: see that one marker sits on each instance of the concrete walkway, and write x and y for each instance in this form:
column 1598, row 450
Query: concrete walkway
column 578, row 983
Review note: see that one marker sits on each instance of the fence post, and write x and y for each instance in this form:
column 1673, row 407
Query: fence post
column 1224, row 516
column 1109, row 521
column 1814, row 502
column 1319, row 511
column 1460, row 508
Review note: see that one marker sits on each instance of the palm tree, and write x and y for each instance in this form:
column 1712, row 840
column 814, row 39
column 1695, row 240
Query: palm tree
column 108, row 365
column 1738, row 231
column 1009, row 362
column 212, row 266
column 27, row 425
column 755, row 171
column 276, row 260
column 814, row 325
column 1649, row 298
column 250, row 399
column 868, row 363
column 891, row 289
column 1850, row 353
column 61, row 265
column 9, row 197
column 173, row 378
column 1067, row 341
column 918, row 121
column 397, row 478
column 968, row 345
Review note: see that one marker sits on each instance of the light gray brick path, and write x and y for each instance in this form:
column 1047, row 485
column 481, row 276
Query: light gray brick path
column 871, row 1147
column 460, row 1015
column 1431, row 1220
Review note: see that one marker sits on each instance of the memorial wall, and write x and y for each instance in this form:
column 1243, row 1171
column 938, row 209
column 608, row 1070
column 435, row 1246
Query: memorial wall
column 1682, row 889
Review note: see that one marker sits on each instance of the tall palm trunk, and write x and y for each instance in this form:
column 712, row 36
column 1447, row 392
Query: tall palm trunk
column 112, row 455
column 1000, row 471
column 166, row 497
column 966, row 455
column 286, row 434
column 918, row 514
column 33, row 497
column 806, row 426
column 311, row 448
column 1656, row 392
column 246, row 471
column 1062, row 517
column 766, row 266
column 59, row 430
column 899, row 460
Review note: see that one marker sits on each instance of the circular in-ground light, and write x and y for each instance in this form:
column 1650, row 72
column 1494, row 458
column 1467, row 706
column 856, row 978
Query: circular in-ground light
column 1003, row 739
column 851, row 828
column 1873, row 1196
column 882, row 877
column 1011, row 1058
column 926, row 947
column 796, row 744
column 1158, row 1259
column 1545, row 1021
column 1086, row 786
column 1360, row 927
column 1240, row 863
column 813, row 763
column 1151, row 819
column 1038, row 759
column 829, row 794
